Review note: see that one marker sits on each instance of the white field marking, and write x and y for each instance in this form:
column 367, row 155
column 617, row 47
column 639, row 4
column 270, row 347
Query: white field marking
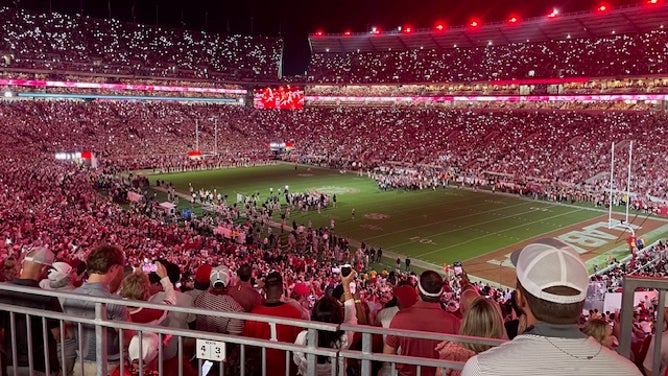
column 405, row 229
column 488, row 234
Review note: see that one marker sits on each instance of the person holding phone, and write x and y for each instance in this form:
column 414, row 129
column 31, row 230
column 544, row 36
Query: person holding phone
column 136, row 286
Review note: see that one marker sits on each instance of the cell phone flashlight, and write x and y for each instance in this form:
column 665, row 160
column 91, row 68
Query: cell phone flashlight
column 457, row 266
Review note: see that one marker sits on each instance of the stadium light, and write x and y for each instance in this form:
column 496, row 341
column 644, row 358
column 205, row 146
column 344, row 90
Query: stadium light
column 319, row 33
column 652, row 2
column 407, row 29
column 554, row 13
column 375, row 30
column 513, row 20
column 602, row 8
column 439, row 26
column 347, row 33
column 474, row 23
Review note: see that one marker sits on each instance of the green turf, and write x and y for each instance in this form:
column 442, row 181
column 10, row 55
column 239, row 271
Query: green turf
column 438, row 226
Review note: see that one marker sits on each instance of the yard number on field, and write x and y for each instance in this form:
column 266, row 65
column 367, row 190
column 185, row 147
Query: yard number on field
column 210, row 350
column 421, row 240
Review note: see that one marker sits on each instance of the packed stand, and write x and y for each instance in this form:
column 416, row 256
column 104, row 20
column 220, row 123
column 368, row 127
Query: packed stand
column 63, row 42
column 616, row 55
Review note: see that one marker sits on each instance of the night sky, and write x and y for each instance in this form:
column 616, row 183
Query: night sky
column 293, row 19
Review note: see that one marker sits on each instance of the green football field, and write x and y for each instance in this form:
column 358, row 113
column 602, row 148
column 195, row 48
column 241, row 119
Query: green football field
column 437, row 227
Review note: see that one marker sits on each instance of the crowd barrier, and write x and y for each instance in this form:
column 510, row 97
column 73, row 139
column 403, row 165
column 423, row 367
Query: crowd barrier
column 339, row 358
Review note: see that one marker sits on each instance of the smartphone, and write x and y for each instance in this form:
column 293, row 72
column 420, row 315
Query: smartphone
column 149, row 267
column 206, row 367
column 346, row 270
column 457, row 266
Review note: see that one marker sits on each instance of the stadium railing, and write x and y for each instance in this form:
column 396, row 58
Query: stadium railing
column 311, row 351
column 631, row 285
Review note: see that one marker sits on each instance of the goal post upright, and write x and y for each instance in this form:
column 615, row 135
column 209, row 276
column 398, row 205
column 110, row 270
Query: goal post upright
column 612, row 174
column 628, row 182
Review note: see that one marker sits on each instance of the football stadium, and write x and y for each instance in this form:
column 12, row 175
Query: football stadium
column 360, row 189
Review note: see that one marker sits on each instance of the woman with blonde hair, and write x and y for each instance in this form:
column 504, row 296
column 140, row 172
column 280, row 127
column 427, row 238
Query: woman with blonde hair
column 483, row 319
column 136, row 286
column 601, row 331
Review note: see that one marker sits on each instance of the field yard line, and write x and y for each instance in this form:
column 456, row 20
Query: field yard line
column 486, row 235
column 446, row 220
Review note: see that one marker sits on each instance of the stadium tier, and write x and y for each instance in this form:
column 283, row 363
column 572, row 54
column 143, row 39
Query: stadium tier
column 74, row 43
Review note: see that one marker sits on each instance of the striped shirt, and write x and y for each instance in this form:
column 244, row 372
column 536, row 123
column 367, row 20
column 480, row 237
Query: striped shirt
column 220, row 302
column 532, row 355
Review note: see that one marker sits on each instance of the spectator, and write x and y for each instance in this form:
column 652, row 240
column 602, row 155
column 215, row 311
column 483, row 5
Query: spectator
column 243, row 292
column 273, row 306
column 601, row 331
column 35, row 266
column 481, row 319
column 299, row 298
column 60, row 278
column 425, row 315
column 180, row 320
column 327, row 310
column 136, row 286
column 105, row 274
column 552, row 285
column 649, row 357
column 202, row 280
column 217, row 299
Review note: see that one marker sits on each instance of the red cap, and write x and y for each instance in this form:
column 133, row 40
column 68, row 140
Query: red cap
column 203, row 273
column 301, row 289
column 406, row 296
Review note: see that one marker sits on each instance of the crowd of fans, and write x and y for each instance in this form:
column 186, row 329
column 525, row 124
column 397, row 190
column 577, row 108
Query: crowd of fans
column 77, row 43
column 424, row 147
column 250, row 255
column 615, row 55
column 58, row 206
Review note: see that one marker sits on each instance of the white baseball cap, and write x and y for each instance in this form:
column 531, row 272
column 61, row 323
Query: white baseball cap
column 548, row 263
column 220, row 275
column 150, row 344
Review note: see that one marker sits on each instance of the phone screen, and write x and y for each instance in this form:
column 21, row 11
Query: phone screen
column 149, row 268
column 206, row 367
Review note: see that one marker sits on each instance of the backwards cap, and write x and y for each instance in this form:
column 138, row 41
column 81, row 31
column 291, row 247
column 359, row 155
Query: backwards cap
column 40, row 255
column 548, row 263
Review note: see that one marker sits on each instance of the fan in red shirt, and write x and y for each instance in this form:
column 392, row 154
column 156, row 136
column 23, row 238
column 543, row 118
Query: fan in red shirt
column 273, row 306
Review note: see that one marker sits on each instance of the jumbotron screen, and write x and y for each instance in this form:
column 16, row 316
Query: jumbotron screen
column 282, row 97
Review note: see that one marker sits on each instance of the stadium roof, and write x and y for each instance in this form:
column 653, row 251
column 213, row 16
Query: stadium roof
column 629, row 20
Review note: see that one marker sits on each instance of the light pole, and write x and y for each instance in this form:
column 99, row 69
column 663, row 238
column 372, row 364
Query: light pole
column 215, row 136
column 196, row 135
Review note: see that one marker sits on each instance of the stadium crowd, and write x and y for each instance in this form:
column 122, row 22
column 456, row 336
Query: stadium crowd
column 417, row 148
column 58, row 206
column 68, row 226
column 64, row 42
column 612, row 56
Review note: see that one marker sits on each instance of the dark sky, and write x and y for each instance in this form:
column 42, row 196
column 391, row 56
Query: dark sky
column 293, row 19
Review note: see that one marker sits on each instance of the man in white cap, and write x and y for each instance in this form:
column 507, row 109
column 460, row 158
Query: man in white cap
column 60, row 278
column 35, row 265
column 552, row 286
column 217, row 299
